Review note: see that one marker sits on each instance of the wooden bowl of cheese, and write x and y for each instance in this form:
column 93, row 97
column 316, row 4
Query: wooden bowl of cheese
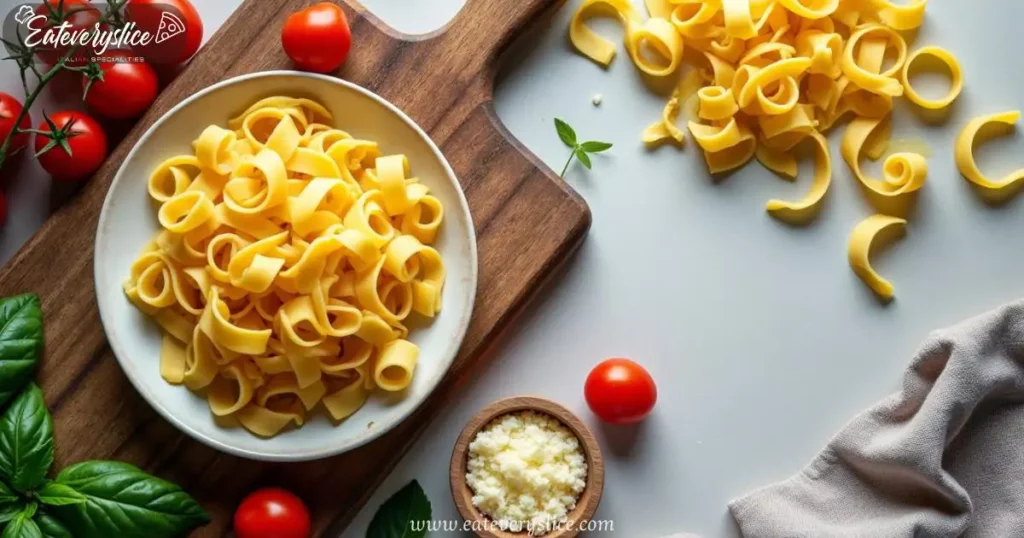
column 539, row 454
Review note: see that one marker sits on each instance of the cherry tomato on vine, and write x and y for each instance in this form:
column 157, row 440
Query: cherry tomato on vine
column 317, row 38
column 120, row 90
column 620, row 391
column 148, row 17
column 74, row 146
column 10, row 107
column 272, row 513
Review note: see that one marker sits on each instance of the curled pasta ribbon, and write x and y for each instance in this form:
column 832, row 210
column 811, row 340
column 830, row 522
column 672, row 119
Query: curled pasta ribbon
column 282, row 139
column 170, row 178
column 215, row 324
column 266, row 170
column 150, row 282
column 811, row 9
column 230, row 391
column 185, row 212
column 275, row 409
column 662, row 37
column 395, row 365
column 761, row 78
column 861, row 239
column 732, row 145
column 368, row 216
column 253, row 268
column 391, row 173
column 317, row 207
column 214, row 150
column 589, row 43
column 172, row 360
column 803, row 209
column 956, row 76
column 423, row 220
column 902, row 172
column 868, row 76
column 906, row 16
column 964, row 154
column 348, row 394
column 824, row 49
column 691, row 18
column 666, row 128
column 294, row 105
column 716, row 103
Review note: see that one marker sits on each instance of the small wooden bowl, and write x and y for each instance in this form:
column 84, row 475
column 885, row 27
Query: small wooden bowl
column 586, row 505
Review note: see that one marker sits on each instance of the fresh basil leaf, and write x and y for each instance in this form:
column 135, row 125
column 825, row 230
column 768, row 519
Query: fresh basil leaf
column 26, row 440
column 57, row 494
column 22, row 526
column 566, row 133
column 6, row 495
column 51, row 527
column 583, row 157
column 21, row 343
column 9, row 511
column 30, row 509
column 594, row 146
column 395, row 518
column 124, row 501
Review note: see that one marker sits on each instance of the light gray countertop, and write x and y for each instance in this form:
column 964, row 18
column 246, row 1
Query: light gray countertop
column 761, row 339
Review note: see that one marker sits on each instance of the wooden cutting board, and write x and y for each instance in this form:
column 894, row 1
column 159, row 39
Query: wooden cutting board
column 527, row 222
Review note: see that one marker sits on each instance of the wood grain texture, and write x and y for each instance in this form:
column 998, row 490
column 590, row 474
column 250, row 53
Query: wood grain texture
column 589, row 499
column 527, row 220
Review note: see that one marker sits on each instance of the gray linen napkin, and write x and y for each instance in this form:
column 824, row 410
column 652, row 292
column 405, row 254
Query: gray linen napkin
column 943, row 458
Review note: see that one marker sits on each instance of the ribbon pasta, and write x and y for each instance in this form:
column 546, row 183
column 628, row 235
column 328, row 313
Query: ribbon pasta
column 289, row 259
column 779, row 73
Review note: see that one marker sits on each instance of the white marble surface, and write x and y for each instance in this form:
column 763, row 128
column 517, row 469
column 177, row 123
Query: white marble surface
column 761, row 339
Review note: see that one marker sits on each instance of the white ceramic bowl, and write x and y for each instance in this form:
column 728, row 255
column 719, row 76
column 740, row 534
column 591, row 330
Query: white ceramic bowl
column 128, row 220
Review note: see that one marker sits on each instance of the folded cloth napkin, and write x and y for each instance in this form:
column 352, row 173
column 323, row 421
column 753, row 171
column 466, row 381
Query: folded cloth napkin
column 943, row 458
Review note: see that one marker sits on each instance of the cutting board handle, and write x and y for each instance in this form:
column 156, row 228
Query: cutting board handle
column 490, row 26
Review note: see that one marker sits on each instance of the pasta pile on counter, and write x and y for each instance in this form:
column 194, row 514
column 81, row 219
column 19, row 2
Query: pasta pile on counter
column 772, row 74
column 290, row 256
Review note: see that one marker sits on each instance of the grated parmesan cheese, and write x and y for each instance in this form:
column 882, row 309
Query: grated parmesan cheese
column 526, row 471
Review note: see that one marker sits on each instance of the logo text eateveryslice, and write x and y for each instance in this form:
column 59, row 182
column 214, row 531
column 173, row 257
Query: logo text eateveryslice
column 100, row 40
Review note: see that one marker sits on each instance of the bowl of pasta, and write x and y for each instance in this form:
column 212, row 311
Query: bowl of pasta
column 285, row 266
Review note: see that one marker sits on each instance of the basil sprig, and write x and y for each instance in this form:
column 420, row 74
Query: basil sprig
column 92, row 499
column 404, row 515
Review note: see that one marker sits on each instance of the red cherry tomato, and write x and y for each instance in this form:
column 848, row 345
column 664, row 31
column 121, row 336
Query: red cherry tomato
column 81, row 15
column 620, row 391
column 9, row 110
column 272, row 513
column 148, row 16
column 317, row 38
column 86, row 139
column 126, row 90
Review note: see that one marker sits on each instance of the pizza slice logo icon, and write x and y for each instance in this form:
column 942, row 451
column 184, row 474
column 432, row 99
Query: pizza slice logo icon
column 170, row 26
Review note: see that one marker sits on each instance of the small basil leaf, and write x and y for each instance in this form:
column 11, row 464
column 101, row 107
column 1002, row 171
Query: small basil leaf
column 584, row 158
column 30, row 509
column 21, row 342
column 51, row 527
column 124, row 501
column 566, row 133
column 22, row 526
column 6, row 495
column 26, row 440
column 595, row 147
column 56, row 494
column 395, row 518
column 10, row 510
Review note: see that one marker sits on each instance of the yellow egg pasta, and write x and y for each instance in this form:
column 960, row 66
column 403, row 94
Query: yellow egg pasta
column 964, row 154
column 771, row 74
column 859, row 250
column 289, row 258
